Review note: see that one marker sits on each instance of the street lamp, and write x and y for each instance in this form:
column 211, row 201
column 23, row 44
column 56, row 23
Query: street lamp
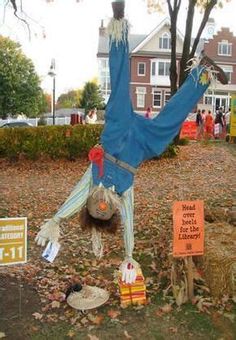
column 52, row 74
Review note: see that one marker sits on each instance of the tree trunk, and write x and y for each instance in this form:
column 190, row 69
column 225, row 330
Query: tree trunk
column 187, row 41
column 173, row 12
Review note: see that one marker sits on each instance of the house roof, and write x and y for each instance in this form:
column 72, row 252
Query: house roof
column 137, row 41
column 164, row 22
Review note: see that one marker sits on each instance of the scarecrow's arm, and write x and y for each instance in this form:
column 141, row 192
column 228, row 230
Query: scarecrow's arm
column 50, row 231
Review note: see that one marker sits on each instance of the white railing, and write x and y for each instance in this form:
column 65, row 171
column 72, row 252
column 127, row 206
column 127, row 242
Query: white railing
column 58, row 121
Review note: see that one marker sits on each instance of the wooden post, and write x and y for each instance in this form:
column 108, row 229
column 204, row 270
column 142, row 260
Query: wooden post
column 190, row 277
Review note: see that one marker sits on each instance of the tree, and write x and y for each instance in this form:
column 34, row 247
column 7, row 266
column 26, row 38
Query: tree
column 20, row 90
column 45, row 102
column 91, row 97
column 70, row 99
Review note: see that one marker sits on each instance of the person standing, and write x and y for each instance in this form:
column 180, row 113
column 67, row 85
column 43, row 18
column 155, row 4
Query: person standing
column 199, row 122
column 219, row 123
column 209, row 125
column 91, row 117
column 148, row 113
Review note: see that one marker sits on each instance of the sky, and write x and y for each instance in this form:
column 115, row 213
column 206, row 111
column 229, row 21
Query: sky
column 67, row 30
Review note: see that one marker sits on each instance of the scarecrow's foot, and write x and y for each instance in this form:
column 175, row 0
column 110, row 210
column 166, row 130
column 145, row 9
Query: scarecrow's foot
column 220, row 75
column 118, row 9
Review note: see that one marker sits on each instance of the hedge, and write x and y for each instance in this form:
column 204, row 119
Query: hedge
column 70, row 142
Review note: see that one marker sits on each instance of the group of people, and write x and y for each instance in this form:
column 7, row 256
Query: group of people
column 209, row 126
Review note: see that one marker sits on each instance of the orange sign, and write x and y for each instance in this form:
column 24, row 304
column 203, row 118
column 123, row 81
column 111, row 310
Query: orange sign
column 13, row 240
column 188, row 130
column 188, row 222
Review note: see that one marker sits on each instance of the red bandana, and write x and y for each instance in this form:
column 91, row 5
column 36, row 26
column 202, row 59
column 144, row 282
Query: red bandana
column 96, row 156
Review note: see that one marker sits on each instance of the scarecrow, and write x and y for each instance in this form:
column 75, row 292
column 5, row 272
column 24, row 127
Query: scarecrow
column 104, row 195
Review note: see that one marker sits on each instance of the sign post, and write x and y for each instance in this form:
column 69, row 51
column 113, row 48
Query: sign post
column 13, row 240
column 188, row 224
column 233, row 117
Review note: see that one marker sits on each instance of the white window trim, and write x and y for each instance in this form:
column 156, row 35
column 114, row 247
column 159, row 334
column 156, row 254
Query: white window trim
column 166, row 92
column 225, row 42
column 164, row 36
column 153, row 93
column 140, row 93
column 140, row 74
column 157, row 69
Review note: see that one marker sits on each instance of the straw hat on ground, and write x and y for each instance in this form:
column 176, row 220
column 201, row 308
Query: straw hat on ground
column 88, row 298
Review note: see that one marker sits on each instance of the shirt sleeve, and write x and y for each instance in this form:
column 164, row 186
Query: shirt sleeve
column 127, row 211
column 77, row 198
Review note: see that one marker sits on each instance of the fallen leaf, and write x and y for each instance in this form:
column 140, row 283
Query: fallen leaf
column 113, row 313
column 2, row 335
column 126, row 334
column 71, row 333
column 56, row 304
column 37, row 316
column 167, row 308
column 92, row 337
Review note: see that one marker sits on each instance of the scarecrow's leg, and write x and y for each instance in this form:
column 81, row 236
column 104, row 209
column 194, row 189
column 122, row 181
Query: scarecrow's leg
column 119, row 108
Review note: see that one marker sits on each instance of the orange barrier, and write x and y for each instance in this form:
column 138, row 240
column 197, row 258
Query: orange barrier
column 189, row 130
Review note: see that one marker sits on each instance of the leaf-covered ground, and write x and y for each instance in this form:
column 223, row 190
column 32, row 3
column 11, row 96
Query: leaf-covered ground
column 32, row 296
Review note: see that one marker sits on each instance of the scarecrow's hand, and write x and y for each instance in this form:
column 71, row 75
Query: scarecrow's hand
column 129, row 268
column 49, row 231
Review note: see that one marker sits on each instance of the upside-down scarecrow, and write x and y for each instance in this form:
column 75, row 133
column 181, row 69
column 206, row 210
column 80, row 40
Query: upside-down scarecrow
column 104, row 195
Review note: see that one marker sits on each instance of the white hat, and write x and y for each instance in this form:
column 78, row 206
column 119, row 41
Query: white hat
column 88, row 298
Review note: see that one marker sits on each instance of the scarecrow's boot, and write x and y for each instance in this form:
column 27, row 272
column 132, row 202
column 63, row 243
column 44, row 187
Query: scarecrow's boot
column 220, row 75
column 118, row 9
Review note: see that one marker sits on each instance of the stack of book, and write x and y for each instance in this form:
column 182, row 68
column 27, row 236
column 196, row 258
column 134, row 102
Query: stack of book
column 132, row 293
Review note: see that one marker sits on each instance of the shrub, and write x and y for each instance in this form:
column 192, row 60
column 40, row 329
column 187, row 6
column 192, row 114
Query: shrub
column 53, row 141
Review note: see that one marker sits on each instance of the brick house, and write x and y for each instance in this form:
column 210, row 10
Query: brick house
column 150, row 62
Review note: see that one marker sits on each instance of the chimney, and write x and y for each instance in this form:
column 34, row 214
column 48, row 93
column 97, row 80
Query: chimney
column 102, row 30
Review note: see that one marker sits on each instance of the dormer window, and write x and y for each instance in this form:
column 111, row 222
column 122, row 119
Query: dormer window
column 225, row 48
column 164, row 41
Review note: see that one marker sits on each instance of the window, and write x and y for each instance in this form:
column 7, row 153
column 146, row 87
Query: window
column 224, row 48
column 167, row 97
column 140, row 92
column 104, row 77
column 153, row 68
column 141, row 69
column 164, row 68
column 160, row 68
column 164, row 41
column 156, row 98
column 228, row 70
column 207, row 100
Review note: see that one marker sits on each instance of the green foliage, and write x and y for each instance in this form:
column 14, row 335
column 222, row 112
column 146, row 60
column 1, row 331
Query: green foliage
column 171, row 151
column 70, row 99
column 183, row 141
column 91, row 97
column 20, row 90
column 69, row 142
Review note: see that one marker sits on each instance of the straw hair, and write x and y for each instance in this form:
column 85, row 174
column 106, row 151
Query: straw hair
column 88, row 298
column 87, row 222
